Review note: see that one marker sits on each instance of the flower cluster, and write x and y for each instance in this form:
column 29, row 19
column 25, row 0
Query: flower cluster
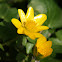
column 30, row 26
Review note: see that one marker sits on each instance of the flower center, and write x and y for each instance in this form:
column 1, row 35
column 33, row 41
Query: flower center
column 30, row 26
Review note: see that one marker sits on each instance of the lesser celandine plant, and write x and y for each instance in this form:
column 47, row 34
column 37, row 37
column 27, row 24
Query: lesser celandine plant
column 31, row 36
column 30, row 26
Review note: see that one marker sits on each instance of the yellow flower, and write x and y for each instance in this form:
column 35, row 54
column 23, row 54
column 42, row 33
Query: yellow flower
column 30, row 25
column 44, row 47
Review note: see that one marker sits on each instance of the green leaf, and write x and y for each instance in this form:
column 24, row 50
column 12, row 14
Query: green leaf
column 32, row 41
column 3, row 0
column 0, row 58
column 7, row 31
column 50, row 8
column 24, row 42
column 1, row 46
column 49, row 59
column 59, row 34
column 20, row 57
column 2, row 24
column 29, row 47
column 19, row 41
column 56, row 41
column 7, row 13
column 3, row 10
column 57, row 48
column 18, row 0
column 11, row 1
column 11, row 13
column 56, row 45
column 33, row 60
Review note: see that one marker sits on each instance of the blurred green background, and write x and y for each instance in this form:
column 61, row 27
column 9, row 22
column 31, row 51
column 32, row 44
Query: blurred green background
column 13, row 47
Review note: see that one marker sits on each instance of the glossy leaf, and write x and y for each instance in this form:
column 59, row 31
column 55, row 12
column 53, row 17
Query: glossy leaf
column 7, row 13
column 1, row 47
column 56, row 45
column 24, row 42
column 49, row 59
column 59, row 34
column 20, row 57
column 7, row 31
column 29, row 47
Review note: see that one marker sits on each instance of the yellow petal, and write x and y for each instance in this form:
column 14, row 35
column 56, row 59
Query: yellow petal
column 40, row 41
column 46, row 52
column 30, row 14
column 47, row 44
column 31, row 35
column 40, row 19
column 20, row 30
column 37, row 35
column 16, row 23
column 22, row 15
column 40, row 28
